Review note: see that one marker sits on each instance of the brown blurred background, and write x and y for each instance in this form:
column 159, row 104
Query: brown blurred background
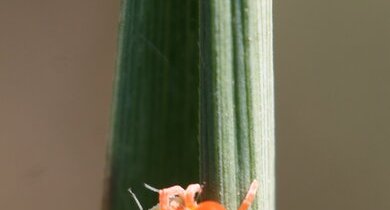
column 332, row 95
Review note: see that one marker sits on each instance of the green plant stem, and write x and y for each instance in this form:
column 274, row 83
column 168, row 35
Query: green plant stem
column 155, row 109
column 237, row 101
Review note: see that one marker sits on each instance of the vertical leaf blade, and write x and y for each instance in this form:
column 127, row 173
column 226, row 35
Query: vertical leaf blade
column 237, row 108
column 155, row 109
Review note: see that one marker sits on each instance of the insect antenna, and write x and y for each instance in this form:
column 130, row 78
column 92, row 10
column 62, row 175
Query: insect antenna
column 135, row 198
column 151, row 188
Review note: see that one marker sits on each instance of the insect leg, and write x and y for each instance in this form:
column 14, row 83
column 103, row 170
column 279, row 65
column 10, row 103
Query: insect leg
column 250, row 196
column 167, row 193
column 191, row 190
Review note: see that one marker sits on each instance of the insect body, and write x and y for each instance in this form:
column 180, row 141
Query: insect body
column 176, row 198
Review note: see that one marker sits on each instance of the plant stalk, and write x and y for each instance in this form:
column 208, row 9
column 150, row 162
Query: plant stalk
column 237, row 101
column 155, row 108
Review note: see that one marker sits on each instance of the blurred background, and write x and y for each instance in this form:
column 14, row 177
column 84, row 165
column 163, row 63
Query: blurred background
column 332, row 62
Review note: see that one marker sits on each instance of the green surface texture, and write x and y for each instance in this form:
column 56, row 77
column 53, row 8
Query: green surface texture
column 155, row 109
column 193, row 101
column 237, row 101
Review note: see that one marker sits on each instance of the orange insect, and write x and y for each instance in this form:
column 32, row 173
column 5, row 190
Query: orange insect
column 176, row 198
